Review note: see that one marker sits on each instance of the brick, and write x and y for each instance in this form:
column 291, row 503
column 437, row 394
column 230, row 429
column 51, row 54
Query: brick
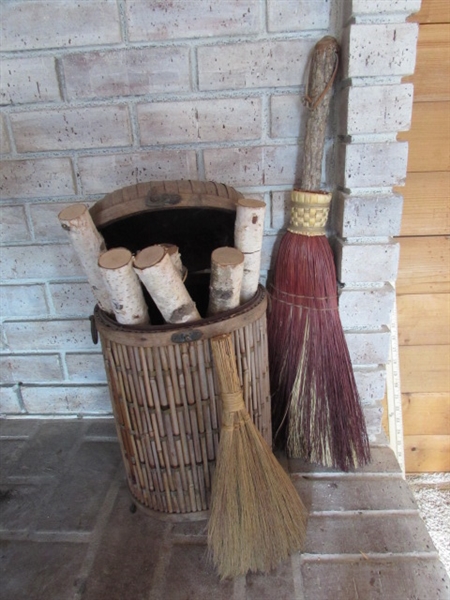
column 372, row 164
column 18, row 428
column 191, row 20
column 103, row 174
column 86, row 368
column 36, row 178
column 39, row 262
column 36, row 460
column 127, row 562
column 20, row 506
column 67, row 400
column 279, row 585
column 371, row 384
column 78, row 497
column 252, row 166
column 9, row 402
column 45, row 222
column 368, row 215
column 27, row 564
column 367, row 262
column 376, row 109
column 366, row 308
column 380, row 9
column 287, row 116
column 71, row 129
column 28, row 80
column 253, row 64
column 70, row 334
column 373, row 418
column 14, row 226
column 73, row 299
column 367, row 532
column 368, row 347
column 290, row 15
column 30, row 368
column 23, row 301
column 199, row 121
column 377, row 50
column 354, row 493
column 5, row 147
column 131, row 72
column 281, row 209
column 191, row 575
column 101, row 428
column 375, row 579
column 29, row 25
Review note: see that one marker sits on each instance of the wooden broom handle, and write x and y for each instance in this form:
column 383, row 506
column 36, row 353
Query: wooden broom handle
column 323, row 69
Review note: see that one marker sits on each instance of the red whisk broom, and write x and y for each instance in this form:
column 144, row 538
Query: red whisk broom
column 316, row 407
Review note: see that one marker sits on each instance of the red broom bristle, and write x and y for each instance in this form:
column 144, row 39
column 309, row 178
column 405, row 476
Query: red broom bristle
column 316, row 406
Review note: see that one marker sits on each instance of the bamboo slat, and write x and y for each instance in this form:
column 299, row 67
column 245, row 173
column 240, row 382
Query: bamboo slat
column 428, row 137
column 166, row 402
column 431, row 77
column 424, row 265
column 423, row 319
column 426, row 414
column 427, row 453
column 432, row 11
column 426, row 206
column 425, row 368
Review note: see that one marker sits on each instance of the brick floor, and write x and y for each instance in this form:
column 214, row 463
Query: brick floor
column 67, row 531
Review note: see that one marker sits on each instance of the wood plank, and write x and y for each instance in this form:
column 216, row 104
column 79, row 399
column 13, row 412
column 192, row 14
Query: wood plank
column 432, row 11
column 429, row 148
column 426, row 203
column 427, row 453
column 423, row 319
column 424, row 265
column 426, row 414
column 431, row 76
column 424, row 369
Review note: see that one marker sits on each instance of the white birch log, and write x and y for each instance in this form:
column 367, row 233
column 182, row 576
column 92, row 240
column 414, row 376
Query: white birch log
column 88, row 244
column 127, row 298
column 174, row 253
column 227, row 270
column 248, row 237
column 163, row 282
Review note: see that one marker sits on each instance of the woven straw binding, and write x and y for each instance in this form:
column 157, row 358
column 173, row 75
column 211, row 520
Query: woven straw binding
column 309, row 212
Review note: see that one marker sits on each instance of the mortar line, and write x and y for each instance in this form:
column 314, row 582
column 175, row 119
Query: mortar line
column 370, row 556
column 296, row 562
column 159, row 574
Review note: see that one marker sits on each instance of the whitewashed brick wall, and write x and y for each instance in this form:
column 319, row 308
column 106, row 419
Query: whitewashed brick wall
column 100, row 94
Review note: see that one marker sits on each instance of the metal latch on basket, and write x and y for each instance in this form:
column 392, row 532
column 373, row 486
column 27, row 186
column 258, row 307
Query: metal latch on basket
column 181, row 337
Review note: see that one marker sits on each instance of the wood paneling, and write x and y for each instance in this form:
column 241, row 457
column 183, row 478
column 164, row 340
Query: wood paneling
column 423, row 319
column 432, row 11
column 432, row 73
column 424, row 265
column 427, row 453
column 426, row 205
column 426, row 414
column 428, row 137
column 425, row 369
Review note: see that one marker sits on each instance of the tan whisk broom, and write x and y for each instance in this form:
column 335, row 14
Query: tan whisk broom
column 257, row 517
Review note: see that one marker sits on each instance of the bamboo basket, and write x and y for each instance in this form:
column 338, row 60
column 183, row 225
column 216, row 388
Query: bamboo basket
column 161, row 378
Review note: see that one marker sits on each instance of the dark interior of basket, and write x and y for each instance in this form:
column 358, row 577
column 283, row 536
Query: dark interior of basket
column 196, row 232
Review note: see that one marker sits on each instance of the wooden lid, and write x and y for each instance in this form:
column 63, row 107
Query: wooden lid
column 251, row 203
column 149, row 256
column 227, row 256
column 72, row 212
column 115, row 258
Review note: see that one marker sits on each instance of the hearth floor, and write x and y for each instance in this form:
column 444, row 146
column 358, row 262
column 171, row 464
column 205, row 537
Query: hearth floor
column 68, row 530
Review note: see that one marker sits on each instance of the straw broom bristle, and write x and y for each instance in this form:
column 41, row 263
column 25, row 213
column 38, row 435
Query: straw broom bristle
column 316, row 406
column 257, row 518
